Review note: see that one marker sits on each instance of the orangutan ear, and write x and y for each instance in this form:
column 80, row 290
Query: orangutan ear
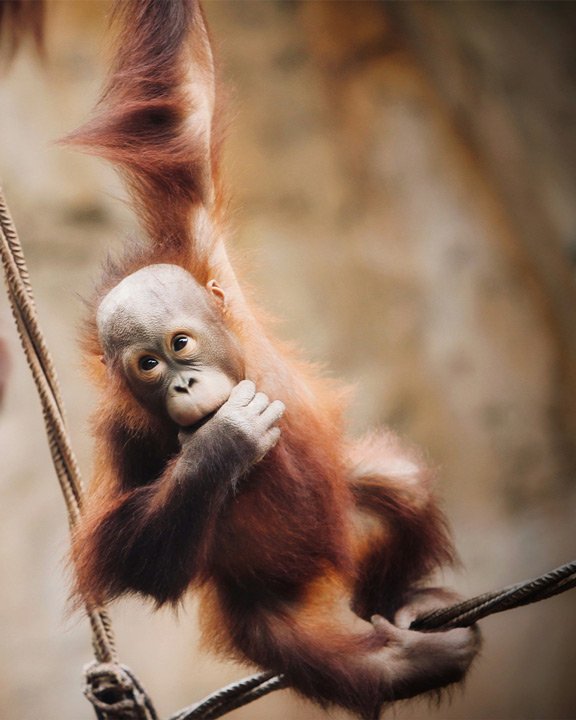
column 213, row 287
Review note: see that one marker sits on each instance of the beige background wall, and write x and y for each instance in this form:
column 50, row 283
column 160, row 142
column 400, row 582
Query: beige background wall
column 404, row 182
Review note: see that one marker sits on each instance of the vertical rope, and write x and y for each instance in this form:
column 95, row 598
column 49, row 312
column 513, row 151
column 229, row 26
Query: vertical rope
column 42, row 368
column 20, row 266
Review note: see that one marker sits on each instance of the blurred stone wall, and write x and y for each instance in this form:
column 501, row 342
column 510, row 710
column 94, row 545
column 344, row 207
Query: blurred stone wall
column 403, row 178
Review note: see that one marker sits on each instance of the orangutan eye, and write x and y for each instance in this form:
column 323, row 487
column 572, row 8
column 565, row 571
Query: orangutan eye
column 147, row 363
column 179, row 342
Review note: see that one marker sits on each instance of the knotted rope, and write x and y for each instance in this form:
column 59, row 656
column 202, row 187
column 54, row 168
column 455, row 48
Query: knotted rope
column 115, row 692
column 112, row 688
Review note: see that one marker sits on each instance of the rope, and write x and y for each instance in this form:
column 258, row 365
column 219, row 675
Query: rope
column 41, row 366
column 231, row 697
column 114, row 691
column 470, row 611
column 275, row 683
column 112, row 688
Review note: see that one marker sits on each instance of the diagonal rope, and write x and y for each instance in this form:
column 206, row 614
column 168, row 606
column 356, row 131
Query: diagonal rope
column 470, row 611
column 231, row 697
column 239, row 700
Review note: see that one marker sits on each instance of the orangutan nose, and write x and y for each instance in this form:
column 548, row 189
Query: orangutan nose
column 183, row 385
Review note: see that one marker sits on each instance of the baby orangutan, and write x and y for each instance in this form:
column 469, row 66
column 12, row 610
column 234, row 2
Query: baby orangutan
column 295, row 577
column 222, row 463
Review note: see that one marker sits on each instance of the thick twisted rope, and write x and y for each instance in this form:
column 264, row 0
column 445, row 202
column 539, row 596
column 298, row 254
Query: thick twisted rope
column 230, row 697
column 112, row 688
column 470, row 611
column 42, row 368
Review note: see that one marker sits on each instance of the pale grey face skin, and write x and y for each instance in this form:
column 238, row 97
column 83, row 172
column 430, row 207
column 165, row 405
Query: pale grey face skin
column 164, row 332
